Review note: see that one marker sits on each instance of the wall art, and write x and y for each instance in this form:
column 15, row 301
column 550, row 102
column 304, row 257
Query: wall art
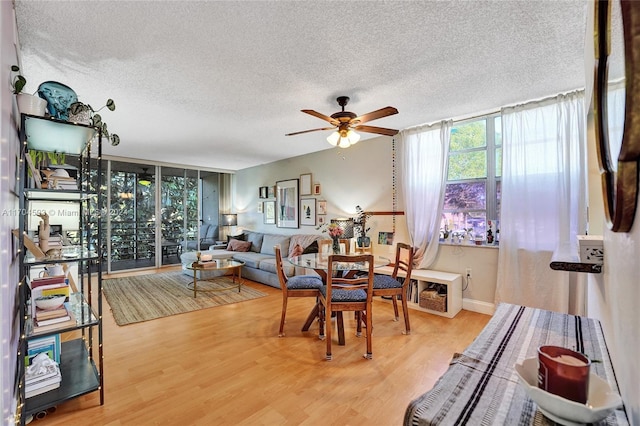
column 269, row 212
column 305, row 184
column 308, row 211
column 287, row 202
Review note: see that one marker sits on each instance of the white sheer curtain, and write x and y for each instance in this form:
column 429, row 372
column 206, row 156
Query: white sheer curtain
column 423, row 162
column 543, row 201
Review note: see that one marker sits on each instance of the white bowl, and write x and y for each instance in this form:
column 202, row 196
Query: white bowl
column 601, row 400
column 50, row 302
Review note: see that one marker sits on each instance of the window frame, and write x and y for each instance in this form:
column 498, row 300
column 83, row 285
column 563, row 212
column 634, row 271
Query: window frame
column 491, row 178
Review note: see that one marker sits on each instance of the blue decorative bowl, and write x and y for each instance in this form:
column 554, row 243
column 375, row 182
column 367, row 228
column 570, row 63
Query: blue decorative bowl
column 59, row 97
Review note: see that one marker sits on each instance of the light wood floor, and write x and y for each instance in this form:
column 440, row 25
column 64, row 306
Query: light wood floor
column 227, row 366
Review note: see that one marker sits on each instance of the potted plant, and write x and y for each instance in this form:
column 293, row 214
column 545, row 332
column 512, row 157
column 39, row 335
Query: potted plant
column 84, row 113
column 27, row 104
column 360, row 225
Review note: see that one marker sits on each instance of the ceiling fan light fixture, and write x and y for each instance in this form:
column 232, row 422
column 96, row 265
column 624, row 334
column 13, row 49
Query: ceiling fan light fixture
column 344, row 143
column 353, row 137
column 333, row 138
column 145, row 178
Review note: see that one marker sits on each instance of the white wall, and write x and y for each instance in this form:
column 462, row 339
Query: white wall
column 8, row 219
column 362, row 175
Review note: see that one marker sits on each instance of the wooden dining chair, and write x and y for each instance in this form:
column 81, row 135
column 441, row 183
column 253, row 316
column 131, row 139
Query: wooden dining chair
column 296, row 286
column 396, row 284
column 344, row 293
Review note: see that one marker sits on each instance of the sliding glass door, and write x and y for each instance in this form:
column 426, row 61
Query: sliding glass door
column 131, row 224
column 178, row 211
column 155, row 213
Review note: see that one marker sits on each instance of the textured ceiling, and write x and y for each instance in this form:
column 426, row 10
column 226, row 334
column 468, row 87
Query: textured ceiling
column 217, row 84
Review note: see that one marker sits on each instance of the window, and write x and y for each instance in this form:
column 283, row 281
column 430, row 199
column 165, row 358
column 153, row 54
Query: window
column 472, row 194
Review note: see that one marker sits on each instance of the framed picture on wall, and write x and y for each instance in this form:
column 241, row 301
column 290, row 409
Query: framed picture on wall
column 271, row 192
column 322, row 207
column 308, row 211
column 287, row 202
column 305, row 184
column 321, row 219
column 269, row 212
column 316, row 189
column 262, row 191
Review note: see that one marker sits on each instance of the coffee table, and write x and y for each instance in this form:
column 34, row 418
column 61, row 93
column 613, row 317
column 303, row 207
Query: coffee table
column 234, row 266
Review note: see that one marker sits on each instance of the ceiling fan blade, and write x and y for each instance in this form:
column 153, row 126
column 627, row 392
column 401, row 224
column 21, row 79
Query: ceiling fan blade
column 321, row 116
column 374, row 115
column 377, row 130
column 307, row 131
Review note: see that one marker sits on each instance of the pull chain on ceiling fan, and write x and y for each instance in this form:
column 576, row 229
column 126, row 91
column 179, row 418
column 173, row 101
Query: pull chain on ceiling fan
column 346, row 122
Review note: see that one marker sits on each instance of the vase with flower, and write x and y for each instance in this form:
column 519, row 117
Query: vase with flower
column 335, row 231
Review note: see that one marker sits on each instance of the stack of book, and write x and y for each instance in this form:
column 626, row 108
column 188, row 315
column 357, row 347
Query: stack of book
column 42, row 375
column 63, row 183
column 63, row 317
column 50, row 319
column 52, row 316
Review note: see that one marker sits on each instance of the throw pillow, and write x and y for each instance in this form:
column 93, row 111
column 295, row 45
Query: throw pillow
column 237, row 245
column 240, row 237
column 311, row 248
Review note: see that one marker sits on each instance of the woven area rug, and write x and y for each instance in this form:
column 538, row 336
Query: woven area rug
column 146, row 297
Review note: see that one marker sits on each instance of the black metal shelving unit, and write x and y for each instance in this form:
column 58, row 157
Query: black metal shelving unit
column 81, row 356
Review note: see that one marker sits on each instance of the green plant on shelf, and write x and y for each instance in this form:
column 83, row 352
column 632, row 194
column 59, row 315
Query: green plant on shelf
column 18, row 82
column 79, row 109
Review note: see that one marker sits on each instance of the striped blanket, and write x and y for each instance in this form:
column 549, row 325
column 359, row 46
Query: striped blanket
column 481, row 386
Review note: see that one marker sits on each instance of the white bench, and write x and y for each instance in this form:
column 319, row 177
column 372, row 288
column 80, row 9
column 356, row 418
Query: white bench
column 425, row 276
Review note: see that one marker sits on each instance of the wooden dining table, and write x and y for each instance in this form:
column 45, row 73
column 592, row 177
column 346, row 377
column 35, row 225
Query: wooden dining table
column 319, row 262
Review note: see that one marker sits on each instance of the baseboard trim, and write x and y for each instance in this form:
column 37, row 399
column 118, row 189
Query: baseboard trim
column 478, row 306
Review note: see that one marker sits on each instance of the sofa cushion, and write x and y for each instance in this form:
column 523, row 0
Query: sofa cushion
column 271, row 240
column 269, row 265
column 303, row 239
column 251, row 259
column 237, row 245
column 256, row 240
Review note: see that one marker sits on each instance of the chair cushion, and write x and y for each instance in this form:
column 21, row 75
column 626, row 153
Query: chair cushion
column 345, row 295
column 385, row 281
column 304, row 282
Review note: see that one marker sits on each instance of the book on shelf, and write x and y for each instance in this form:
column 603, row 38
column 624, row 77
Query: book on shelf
column 41, row 376
column 58, row 320
column 28, row 393
column 37, row 282
column 48, row 290
column 44, row 326
column 49, row 345
column 59, row 183
column 46, row 314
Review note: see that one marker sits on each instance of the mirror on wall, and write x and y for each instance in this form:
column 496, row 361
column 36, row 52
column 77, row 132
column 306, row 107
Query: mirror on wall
column 616, row 111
